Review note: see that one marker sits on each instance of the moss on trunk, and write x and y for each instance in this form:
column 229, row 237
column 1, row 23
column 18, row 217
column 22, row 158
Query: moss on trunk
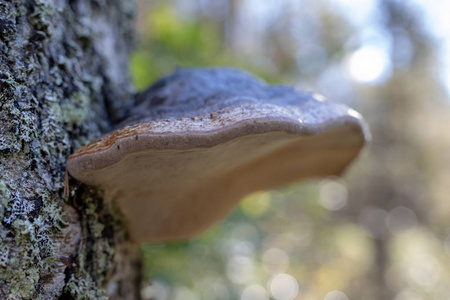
column 63, row 80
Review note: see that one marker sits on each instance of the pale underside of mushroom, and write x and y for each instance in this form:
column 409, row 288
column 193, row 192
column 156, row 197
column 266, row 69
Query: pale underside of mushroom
column 201, row 139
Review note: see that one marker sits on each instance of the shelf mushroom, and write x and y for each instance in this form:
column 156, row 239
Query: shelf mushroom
column 201, row 139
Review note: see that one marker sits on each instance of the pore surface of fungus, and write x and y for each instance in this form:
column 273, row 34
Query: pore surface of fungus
column 201, row 139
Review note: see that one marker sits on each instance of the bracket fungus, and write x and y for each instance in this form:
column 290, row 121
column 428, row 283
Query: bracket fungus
column 199, row 140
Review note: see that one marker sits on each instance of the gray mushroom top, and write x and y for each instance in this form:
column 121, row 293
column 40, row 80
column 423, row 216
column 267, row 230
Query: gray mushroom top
column 200, row 139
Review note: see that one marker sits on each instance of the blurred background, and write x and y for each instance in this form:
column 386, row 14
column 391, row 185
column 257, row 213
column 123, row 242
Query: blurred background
column 382, row 231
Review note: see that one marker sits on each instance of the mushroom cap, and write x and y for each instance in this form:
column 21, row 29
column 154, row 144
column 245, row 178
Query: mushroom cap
column 201, row 139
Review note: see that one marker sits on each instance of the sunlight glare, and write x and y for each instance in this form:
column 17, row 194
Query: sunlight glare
column 369, row 64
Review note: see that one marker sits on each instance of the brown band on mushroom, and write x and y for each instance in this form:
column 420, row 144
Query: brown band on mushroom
column 201, row 139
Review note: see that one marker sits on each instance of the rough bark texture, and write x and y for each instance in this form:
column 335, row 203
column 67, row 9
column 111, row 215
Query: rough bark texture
column 63, row 79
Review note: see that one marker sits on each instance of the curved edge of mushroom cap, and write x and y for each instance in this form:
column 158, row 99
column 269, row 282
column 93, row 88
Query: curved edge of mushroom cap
column 212, row 129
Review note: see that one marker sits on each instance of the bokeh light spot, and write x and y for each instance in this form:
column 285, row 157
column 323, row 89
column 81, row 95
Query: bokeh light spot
column 369, row 64
column 355, row 245
column 335, row 295
column 255, row 292
column 332, row 194
column 424, row 271
column 283, row 287
column 400, row 219
column 256, row 204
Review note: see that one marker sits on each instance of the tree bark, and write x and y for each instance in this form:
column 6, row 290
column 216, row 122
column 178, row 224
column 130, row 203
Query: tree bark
column 63, row 81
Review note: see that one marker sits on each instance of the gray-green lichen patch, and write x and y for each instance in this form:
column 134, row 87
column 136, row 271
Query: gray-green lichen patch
column 5, row 193
column 33, row 227
column 42, row 15
column 76, row 111
column 82, row 286
column 52, row 83
column 88, row 275
column 18, row 124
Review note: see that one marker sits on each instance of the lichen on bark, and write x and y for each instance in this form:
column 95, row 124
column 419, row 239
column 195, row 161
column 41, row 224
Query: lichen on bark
column 63, row 79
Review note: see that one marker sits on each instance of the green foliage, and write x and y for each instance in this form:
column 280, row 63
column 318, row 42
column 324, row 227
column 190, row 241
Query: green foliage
column 171, row 41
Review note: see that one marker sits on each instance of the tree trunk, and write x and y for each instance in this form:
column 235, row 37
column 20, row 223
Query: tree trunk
column 63, row 80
